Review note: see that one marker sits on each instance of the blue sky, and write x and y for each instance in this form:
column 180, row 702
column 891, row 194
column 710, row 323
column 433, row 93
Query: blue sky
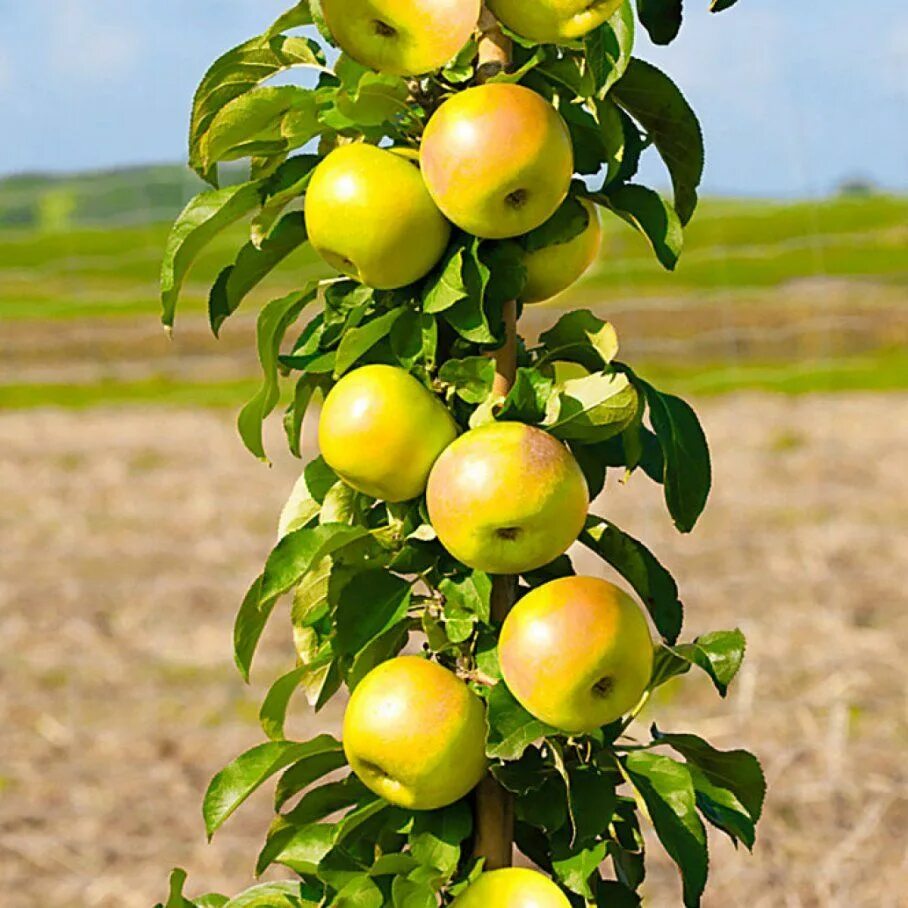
column 792, row 99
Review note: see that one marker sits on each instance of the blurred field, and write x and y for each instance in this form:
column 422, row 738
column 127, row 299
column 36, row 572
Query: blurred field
column 132, row 522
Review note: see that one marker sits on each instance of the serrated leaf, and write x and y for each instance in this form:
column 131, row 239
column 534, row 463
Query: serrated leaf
column 436, row 838
column 370, row 604
column 667, row 790
column 297, row 16
column 357, row 342
column 233, row 784
column 287, row 184
column 661, row 18
column 307, row 496
column 306, row 771
column 576, row 868
column 467, row 600
column 593, row 408
column 412, row 894
column 646, row 211
column 471, row 377
column 272, row 895
column 651, row 581
column 608, row 48
column 253, row 263
column 207, row 215
column 657, row 104
column 720, row 654
column 270, row 121
column 273, row 712
column 298, row 552
column 237, row 72
column 567, row 223
column 688, row 470
column 511, row 728
column 580, row 337
column 528, row 399
column 272, row 325
column 723, row 810
column 299, row 848
column 738, row 771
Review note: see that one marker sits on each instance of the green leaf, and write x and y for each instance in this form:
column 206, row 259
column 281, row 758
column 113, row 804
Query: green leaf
column 207, row 215
column 412, row 894
column 414, row 339
column 723, row 810
column 380, row 648
column 307, row 770
column 650, row 580
column 272, row 895
column 234, row 74
column 360, row 892
column 233, row 784
column 287, row 184
column 447, row 284
column 358, row 341
column 299, row 848
column 471, row 377
column 305, row 501
column 609, row 47
column 369, row 605
column 436, row 837
column 720, row 654
column 298, row 552
column 253, row 263
column 593, row 408
column 272, row 325
column 593, row 797
column 511, row 728
column 305, row 391
column 249, row 624
column 580, row 337
column 661, row 18
column 566, row 224
column 667, row 790
column 649, row 213
column 528, row 399
column 657, row 104
column 263, row 121
column 273, row 712
column 577, row 867
column 467, row 600
column 738, row 771
column 297, row 16
column 688, row 471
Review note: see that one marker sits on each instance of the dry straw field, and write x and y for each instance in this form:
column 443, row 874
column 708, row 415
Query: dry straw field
column 129, row 535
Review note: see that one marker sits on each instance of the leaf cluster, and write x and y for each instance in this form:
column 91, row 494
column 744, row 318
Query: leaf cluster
column 362, row 579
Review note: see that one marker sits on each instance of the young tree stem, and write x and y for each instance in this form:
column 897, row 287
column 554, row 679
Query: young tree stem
column 494, row 815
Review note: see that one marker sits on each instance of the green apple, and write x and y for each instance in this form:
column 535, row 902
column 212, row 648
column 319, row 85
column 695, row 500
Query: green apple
column 552, row 269
column 401, row 37
column 381, row 430
column 507, row 498
column 415, row 734
column 553, row 21
column 576, row 653
column 512, row 887
column 369, row 215
column 497, row 159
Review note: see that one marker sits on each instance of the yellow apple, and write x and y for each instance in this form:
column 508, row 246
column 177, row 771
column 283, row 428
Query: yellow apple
column 576, row 653
column 415, row 734
column 506, row 498
column 512, row 887
column 369, row 215
column 401, row 37
column 552, row 269
column 553, row 21
column 381, row 430
column 497, row 159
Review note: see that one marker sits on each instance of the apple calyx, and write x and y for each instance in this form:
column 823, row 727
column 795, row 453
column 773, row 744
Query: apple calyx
column 383, row 30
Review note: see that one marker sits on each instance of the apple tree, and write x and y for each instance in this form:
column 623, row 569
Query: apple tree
column 451, row 162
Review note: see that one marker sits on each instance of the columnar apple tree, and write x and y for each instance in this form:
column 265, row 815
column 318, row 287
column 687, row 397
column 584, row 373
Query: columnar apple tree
column 451, row 163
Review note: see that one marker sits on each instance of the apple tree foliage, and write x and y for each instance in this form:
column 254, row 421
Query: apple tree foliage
column 363, row 578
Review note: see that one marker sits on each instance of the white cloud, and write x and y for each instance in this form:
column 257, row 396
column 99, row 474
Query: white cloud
column 91, row 40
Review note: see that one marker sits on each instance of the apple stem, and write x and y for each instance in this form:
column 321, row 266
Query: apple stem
column 494, row 811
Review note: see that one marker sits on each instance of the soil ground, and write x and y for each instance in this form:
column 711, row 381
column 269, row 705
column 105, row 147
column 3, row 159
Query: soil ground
column 129, row 536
